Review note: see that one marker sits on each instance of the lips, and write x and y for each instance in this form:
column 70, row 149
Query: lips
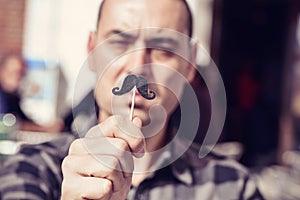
column 139, row 101
column 138, row 97
column 137, row 106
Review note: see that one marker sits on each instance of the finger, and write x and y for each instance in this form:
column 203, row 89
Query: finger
column 115, row 147
column 103, row 167
column 86, row 188
column 123, row 128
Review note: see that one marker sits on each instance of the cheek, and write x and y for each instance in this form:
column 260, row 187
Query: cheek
column 175, row 63
column 167, row 98
column 103, row 89
column 106, row 81
column 169, row 84
column 170, row 78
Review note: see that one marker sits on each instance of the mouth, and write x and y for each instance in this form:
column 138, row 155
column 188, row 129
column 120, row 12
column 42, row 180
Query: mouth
column 140, row 103
column 136, row 105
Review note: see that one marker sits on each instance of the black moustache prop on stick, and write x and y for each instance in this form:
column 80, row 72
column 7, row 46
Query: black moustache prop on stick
column 138, row 83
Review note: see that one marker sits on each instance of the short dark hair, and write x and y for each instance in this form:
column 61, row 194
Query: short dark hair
column 189, row 13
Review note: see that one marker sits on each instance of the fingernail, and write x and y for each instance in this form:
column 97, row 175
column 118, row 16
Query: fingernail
column 137, row 121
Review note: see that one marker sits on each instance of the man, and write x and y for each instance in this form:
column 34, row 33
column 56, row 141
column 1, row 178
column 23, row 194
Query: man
column 12, row 71
column 118, row 159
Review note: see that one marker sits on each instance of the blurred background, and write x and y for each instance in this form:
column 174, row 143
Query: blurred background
column 254, row 43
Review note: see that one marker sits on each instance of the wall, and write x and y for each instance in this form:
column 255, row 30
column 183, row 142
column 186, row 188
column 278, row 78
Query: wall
column 57, row 31
column 11, row 25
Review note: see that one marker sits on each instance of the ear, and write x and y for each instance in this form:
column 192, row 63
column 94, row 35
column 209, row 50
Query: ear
column 192, row 64
column 90, row 47
column 92, row 42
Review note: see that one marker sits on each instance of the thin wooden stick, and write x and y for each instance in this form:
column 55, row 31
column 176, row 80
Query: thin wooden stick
column 132, row 103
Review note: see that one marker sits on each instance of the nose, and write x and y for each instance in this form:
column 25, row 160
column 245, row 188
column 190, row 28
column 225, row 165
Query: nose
column 139, row 61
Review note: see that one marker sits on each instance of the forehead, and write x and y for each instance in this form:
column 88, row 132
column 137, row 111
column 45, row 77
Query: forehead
column 124, row 15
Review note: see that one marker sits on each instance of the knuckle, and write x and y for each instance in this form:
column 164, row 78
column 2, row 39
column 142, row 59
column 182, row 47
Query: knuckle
column 94, row 132
column 136, row 144
column 110, row 169
column 113, row 161
column 90, row 170
column 67, row 189
column 121, row 145
column 66, row 164
column 118, row 120
column 75, row 146
column 114, row 119
column 107, row 186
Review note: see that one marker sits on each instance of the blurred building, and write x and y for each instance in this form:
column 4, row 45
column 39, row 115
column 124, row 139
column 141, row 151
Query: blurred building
column 12, row 19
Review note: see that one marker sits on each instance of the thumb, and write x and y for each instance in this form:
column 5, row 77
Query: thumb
column 137, row 121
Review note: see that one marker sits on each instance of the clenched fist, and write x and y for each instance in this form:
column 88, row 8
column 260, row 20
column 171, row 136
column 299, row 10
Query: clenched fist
column 100, row 165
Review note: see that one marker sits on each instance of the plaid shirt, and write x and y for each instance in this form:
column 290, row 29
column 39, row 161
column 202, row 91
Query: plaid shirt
column 35, row 173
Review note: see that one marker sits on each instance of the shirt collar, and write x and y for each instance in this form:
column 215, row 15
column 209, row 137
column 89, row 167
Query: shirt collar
column 179, row 168
column 182, row 168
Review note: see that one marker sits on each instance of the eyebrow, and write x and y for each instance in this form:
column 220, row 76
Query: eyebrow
column 154, row 41
column 121, row 34
column 164, row 40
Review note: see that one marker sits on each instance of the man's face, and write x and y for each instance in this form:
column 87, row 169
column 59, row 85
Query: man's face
column 126, row 47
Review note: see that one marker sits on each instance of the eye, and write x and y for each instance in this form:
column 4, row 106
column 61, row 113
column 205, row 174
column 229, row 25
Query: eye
column 162, row 53
column 119, row 45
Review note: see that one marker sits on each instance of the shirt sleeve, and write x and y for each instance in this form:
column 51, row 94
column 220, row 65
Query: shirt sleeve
column 250, row 190
column 34, row 173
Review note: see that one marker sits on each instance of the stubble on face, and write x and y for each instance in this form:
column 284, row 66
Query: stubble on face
column 118, row 16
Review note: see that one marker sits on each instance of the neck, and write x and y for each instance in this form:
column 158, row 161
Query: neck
column 144, row 166
column 102, row 116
